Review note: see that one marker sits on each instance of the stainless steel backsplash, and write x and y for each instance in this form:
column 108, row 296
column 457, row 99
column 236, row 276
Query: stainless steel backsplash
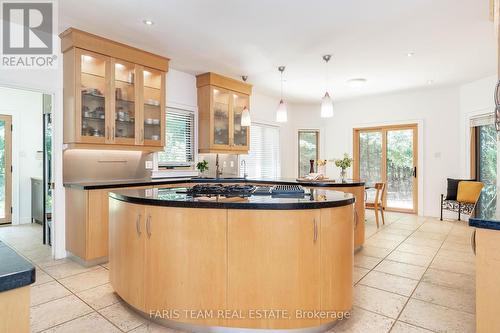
column 96, row 165
column 228, row 163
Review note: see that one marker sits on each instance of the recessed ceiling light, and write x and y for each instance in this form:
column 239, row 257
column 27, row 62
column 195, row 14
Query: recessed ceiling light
column 410, row 54
column 356, row 83
column 429, row 82
column 148, row 22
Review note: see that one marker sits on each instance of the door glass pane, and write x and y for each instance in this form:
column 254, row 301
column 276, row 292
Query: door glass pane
column 240, row 132
column 487, row 168
column 2, row 169
column 93, row 91
column 221, row 117
column 152, row 105
column 124, row 100
column 308, row 150
column 370, row 160
column 400, row 169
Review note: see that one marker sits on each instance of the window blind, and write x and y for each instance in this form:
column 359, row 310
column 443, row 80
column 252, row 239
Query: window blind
column 482, row 120
column 263, row 159
column 179, row 148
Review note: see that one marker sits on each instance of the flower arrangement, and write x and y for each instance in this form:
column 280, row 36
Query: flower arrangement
column 344, row 163
column 321, row 162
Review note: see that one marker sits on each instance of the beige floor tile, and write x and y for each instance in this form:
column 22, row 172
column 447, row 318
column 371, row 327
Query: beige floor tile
column 372, row 251
column 398, row 231
column 122, row 316
column 410, row 258
column 55, row 262
column 400, row 327
column 99, row 297
column 456, row 255
column 87, row 280
column 67, row 269
column 41, row 277
column 150, row 327
column 454, row 266
column 47, row 292
column 91, row 323
column 456, row 247
column 450, row 297
column 365, row 261
column 436, row 227
column 401, row 269
column 403, row 226
column 362, row 321
column 434, row 243
column 388, row 282
column 449, row 279
column 382, row 235
column 379, row 301
column 429, row 235
column 384, row 243
column 417, row 249
column 358, row 273
column 437, row 318
column 56, row 312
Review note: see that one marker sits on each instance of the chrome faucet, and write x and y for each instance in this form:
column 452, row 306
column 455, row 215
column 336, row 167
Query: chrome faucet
column 218, row 170
column 244, row 164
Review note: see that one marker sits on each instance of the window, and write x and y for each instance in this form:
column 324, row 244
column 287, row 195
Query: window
column 179, row 150
column 308, row 150
column 263, row 159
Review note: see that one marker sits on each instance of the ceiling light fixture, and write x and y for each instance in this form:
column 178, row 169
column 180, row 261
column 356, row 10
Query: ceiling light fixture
column 148, row 22
column 245, row 114
column 281, row 112
column 326, row 101
column 429, row 82
column 410, row 54
column 356, row 83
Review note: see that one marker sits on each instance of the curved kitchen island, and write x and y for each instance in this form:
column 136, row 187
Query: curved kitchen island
column 231, row 263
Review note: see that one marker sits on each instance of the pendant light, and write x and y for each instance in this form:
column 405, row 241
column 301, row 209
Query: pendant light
column 245, row 114
column 326, row 101
column 281, row 112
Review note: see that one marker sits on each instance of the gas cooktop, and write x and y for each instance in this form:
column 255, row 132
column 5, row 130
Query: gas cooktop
column 208, row 190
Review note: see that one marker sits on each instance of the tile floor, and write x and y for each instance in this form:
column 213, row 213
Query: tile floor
column 414, row 274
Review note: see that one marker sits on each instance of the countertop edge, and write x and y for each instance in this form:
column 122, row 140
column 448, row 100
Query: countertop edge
column 234, row 205
column 18, row 272
column 484, row 223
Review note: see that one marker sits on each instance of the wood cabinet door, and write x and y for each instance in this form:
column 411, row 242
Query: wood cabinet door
column 263, row 248
column 153, row 122
column 220, row 118
column 240, row 134
column 185, row 259
column 127, row 236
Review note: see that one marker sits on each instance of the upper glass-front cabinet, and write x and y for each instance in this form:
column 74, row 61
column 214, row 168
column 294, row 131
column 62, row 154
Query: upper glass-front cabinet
column 93, row 101
column 123, row 128
column 154, row 107
column 240, row 133
column 221, row 101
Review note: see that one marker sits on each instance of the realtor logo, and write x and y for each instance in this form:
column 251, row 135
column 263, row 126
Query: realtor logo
column 28, row 34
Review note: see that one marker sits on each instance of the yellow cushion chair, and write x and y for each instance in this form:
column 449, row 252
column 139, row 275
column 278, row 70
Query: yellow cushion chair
column 468, row 191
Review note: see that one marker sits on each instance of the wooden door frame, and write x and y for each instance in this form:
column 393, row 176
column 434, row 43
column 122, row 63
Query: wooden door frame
column 8, row 168
column 384, row 129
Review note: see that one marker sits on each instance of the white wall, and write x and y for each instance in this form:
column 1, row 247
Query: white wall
column 437, row 111
column 25, row 107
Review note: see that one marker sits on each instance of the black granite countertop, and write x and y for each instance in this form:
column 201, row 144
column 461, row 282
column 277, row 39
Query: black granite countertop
column 314, row 199
column 486, row 218
column 96, row 185
column 15, row 271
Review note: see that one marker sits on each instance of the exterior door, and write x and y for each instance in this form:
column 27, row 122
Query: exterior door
column 389, row 154
column 5, row 169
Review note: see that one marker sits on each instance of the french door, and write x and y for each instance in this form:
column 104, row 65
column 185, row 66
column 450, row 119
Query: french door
column 5, row 169
column 388, row 154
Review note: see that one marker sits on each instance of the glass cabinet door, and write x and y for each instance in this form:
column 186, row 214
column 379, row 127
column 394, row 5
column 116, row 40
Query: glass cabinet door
column 154, row 119
column 240, row 133
column 93, row 97
column 221, row 116
column 125, row 108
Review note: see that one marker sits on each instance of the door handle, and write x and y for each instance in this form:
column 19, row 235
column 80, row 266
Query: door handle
column 148, row 226
column 415, row 172
column 496, row 93
column 138, row 225
column 315, row 231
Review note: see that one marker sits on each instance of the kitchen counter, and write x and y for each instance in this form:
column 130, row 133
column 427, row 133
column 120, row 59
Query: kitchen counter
column 16, row 275
column 171, row 197
column 96, row 185
column 486, row 220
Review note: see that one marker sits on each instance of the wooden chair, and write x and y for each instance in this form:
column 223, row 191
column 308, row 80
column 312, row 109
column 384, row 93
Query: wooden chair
column 378, row 203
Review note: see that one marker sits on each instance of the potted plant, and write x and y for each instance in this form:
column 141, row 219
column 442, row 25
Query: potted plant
column 343, row 164
column 202, row 167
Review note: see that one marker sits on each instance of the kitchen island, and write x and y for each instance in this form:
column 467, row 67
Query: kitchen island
column 221, row 262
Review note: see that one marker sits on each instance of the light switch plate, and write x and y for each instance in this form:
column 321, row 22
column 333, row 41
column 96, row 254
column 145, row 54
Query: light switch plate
column 149, row 165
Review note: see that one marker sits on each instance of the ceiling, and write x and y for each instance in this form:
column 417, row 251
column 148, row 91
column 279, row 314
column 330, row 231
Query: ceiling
column 452, row 40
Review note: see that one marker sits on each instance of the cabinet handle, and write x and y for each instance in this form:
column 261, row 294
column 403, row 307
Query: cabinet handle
column 142, row 134
column 107, row 132
column 473, row 241
column 356, row 217
column 315, row 231
column 113, row 132
column 138, row 224
column 148, row 226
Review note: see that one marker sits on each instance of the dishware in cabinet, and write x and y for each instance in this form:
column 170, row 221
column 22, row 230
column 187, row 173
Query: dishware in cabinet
column 153, row 107
column 240, row 134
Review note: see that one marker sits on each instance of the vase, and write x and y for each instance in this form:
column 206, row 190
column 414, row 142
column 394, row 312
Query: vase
column 343, row 175
column 322, row 170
